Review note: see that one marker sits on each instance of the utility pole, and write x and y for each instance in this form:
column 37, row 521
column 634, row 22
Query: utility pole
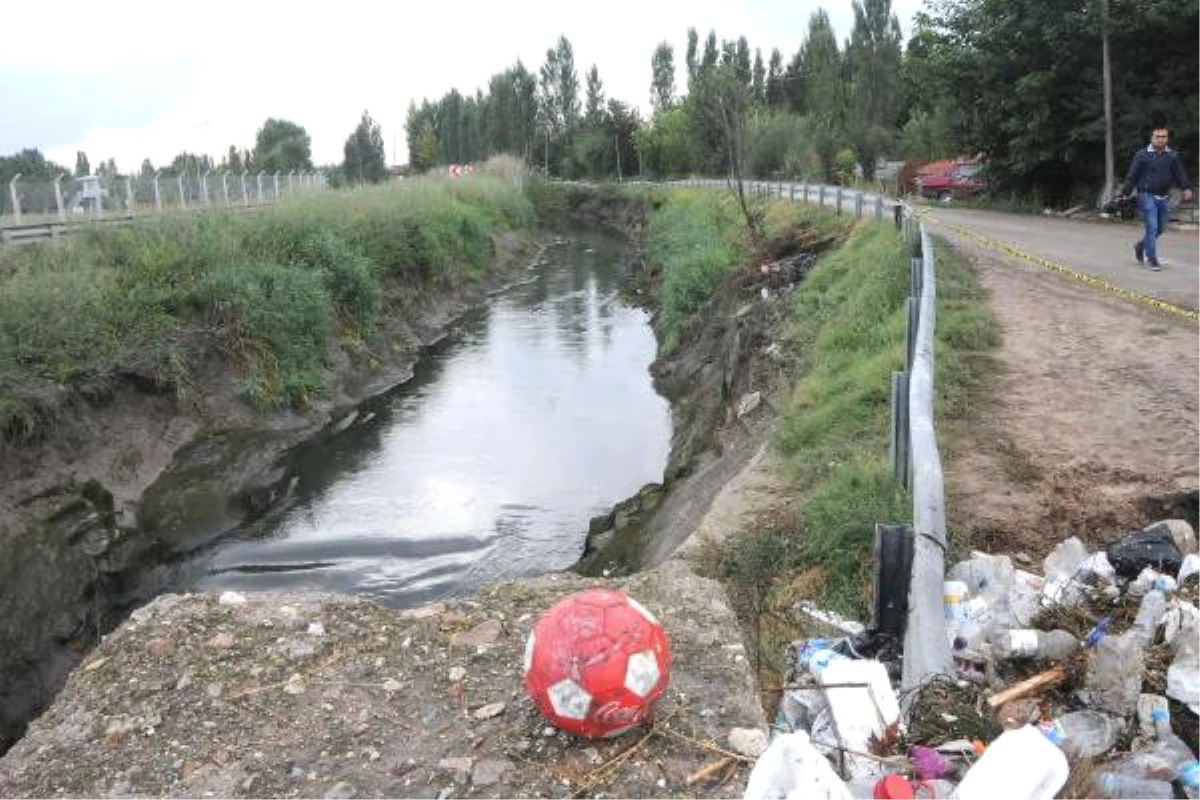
column 1109, row 158
column 617, row 147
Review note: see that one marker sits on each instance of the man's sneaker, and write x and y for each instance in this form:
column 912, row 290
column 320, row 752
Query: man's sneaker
column 1155, row 266
column 1137, row 250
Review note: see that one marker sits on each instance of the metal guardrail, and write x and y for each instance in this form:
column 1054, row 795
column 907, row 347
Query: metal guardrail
column 926, row 651
column 915, row 457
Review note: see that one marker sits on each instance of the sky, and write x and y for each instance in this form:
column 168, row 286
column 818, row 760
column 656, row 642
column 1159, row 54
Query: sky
column 135, row 79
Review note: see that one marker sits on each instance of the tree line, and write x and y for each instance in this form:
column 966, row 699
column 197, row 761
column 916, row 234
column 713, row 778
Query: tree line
column 1018, row 82
column 280, row 146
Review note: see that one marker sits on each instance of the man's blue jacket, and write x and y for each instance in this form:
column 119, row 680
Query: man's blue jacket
column 1155, row 171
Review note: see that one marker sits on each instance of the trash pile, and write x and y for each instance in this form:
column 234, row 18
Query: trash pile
column 1083, row 681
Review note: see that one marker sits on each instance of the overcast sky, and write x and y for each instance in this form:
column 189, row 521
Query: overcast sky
column 134, row 79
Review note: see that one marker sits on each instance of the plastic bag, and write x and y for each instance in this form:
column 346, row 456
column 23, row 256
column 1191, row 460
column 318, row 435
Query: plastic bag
column 792, row 767
column 1154, row 547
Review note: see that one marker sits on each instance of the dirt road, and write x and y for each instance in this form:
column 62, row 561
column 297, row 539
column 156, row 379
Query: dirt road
column 1092, row 429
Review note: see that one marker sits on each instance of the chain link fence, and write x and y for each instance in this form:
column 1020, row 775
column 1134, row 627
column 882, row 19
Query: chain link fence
column 67, row 199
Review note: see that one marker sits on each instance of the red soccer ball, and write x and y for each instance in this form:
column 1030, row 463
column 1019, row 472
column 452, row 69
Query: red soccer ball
column 596, row 663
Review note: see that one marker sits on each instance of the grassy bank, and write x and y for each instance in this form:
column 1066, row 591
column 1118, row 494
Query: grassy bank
column 846, row 330
column 272, row 288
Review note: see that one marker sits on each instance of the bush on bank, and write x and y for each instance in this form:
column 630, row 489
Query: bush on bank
column 274, row 286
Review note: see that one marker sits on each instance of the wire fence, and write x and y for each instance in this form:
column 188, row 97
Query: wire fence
column 68, row 199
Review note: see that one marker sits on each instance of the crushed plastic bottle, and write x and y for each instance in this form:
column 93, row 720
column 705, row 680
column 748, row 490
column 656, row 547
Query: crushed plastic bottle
column 1168, row 759
column 1083, row 734
column 1183, row 676
column 1115, row 673
column 1028, row 643
column 1115, row 785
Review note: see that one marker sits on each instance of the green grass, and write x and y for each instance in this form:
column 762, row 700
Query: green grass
column 848, row 328
column 695, row 240
column 278, row 286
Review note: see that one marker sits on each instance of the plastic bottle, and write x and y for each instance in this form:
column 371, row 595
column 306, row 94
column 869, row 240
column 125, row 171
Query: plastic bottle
column 1183, row 676
column 1018, row 763
column 1151, row 610
column 1115, row 673
column 1083, row 734
column 1168, row 759
column 1112, row 784
column 1028, row 643
column 814, row 655
column 1176, row 751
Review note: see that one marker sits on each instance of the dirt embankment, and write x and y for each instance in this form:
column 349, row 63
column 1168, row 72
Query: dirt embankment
column 1091, row 427
column 130, row 473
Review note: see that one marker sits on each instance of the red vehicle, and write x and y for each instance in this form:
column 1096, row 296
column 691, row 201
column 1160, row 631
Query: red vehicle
column 951, row 179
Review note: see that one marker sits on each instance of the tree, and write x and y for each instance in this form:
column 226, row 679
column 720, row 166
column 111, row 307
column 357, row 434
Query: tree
column 365, row 159
column 873, row 59
column 693, row 66
column 665, row 146
column 281, row 146
column 31, row 165
column 81, row 164
column 560, row 87
column 559, row 103
column 593, row 113
column 233, row 160
column 723, row 101
column 662, row 77
column 1021, row 81
column 758, row 85
column 820, row 78
column 775, row 90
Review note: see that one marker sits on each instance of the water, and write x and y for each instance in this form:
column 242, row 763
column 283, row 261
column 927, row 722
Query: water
column 534, row 416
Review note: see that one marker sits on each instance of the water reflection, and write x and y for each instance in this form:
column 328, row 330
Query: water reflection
column 537, row 414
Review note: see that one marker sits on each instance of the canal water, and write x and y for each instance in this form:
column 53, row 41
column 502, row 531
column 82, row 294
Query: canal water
column 536, row 414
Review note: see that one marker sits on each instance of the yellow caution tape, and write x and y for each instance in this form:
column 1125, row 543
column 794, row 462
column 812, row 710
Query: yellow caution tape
column 1083, row 277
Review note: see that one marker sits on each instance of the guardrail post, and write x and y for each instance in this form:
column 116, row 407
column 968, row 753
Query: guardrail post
column 804, row 186
column 898, row 441
column 839, row 200
column 58, row 201
column 16, row 199
column 878, row 208
column 130, row 200
column 821, row 196
column 157, row 195
column 245, row 194
column 182, row 193
column 858, row 206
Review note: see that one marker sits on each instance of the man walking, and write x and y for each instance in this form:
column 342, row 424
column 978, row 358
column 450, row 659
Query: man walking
column 1152, row 173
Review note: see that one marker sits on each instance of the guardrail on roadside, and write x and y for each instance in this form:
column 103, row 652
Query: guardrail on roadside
column 915, row 458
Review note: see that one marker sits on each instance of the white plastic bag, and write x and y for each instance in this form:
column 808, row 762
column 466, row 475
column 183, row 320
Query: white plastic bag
column 792, row 768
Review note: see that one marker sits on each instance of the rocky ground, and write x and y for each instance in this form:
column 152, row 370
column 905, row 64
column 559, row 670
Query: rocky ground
column 308, row 696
